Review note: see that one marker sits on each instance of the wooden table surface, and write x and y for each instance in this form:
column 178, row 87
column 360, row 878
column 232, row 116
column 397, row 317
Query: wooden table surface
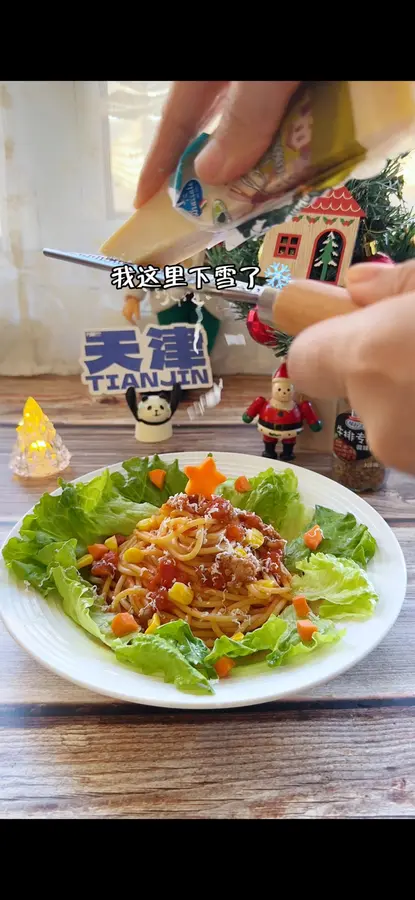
column 346, row 749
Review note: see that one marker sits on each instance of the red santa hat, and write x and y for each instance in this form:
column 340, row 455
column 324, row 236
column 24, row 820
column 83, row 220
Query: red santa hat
column 281, row 374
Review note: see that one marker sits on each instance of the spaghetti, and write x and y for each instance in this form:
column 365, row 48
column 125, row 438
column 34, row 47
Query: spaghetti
column 201, row 560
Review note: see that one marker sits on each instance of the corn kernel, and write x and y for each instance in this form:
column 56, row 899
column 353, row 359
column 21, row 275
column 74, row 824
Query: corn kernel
column 145, row 524
column 148, row 524
column 261, row 583
column 111, row 543
column 154, row 623
column 238, row 636
column 254, row 538
column 84, row 561
column 239, row 551
column 133, row 555
column 181, row 593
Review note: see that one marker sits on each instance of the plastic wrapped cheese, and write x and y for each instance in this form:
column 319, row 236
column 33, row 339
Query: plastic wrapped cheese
column 331, row 131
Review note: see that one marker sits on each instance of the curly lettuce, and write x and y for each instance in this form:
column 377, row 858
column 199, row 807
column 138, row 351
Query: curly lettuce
column 152, row 654
column 280, row 636
column 135, row 484
column 340, row 587
column 274, row 496
column 343, row 537
column 290, row 646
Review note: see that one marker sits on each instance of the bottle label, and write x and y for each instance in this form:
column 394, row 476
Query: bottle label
column 349, row 438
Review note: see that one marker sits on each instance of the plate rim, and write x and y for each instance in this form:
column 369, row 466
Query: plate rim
column 211, row 702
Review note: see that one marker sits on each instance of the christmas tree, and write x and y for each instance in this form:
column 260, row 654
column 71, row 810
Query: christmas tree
column 388, row 227
column 39, row 451
column 327, row 258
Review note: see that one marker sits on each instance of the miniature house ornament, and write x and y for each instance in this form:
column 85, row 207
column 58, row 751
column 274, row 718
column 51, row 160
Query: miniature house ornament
column 280, row 418
column 39, row 451
column 318, row 243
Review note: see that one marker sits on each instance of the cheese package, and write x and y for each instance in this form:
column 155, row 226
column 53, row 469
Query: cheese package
column 331, row 131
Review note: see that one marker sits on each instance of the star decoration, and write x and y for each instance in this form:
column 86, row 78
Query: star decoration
column 203, row 479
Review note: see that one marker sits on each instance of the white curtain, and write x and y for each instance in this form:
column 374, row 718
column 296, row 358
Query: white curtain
column 70, row 154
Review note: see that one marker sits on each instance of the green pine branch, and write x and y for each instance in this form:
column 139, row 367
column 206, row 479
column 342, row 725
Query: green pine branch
column 388, row 221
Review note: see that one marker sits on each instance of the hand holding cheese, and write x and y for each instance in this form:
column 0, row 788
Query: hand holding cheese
column 250, row 115
column 369, row 121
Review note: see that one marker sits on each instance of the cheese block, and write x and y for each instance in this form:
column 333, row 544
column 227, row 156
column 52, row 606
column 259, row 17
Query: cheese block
column 156, row 234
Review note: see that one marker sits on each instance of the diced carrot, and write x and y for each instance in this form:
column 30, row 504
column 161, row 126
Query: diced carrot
column 234, row 532
column 301, row 606
column 97, row 551
column 223, row 666
column 158, row 477
column 306, row 629
column 242, row 485
column 123, row 623
column 313, row 537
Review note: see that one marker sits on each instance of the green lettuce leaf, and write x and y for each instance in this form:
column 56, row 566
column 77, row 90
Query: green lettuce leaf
column 192, row 648
column 343, row 537
column 290, row 646
column 279, row 635
column 154, row 655
column 78, row 598
column 264, row 638
column 341, row 584
column 95, row 510
column 31, row 561
column 275, row 498
column 136, row 485
column 87, row 512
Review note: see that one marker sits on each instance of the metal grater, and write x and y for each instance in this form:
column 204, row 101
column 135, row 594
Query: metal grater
column 261, row 295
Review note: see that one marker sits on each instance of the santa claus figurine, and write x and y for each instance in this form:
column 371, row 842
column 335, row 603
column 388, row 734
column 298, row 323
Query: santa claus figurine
column 280, row 419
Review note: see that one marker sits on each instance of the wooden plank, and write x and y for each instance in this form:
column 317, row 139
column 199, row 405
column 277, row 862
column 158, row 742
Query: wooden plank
column 388, row 672
column 300, row 764
column 92, row 447
column 66, row 401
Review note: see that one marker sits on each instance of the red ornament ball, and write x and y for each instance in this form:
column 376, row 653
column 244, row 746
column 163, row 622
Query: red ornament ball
column 381, row 258
column 262, row 334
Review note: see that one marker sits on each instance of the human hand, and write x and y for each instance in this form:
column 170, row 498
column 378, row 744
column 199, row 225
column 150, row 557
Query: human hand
column 369, row 357
column 251, row 112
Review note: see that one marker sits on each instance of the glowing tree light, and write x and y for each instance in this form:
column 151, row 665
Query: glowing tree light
column 39, row 451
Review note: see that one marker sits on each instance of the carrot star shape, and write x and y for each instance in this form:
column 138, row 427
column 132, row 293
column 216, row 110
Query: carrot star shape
column 203, row 479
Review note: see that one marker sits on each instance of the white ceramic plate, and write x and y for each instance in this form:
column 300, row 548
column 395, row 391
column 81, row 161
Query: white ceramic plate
column 42, row 629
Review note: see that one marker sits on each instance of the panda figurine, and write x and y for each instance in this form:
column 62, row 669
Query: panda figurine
column 153, row 413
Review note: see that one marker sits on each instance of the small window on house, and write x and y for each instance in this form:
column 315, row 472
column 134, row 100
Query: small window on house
column 287, row 245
